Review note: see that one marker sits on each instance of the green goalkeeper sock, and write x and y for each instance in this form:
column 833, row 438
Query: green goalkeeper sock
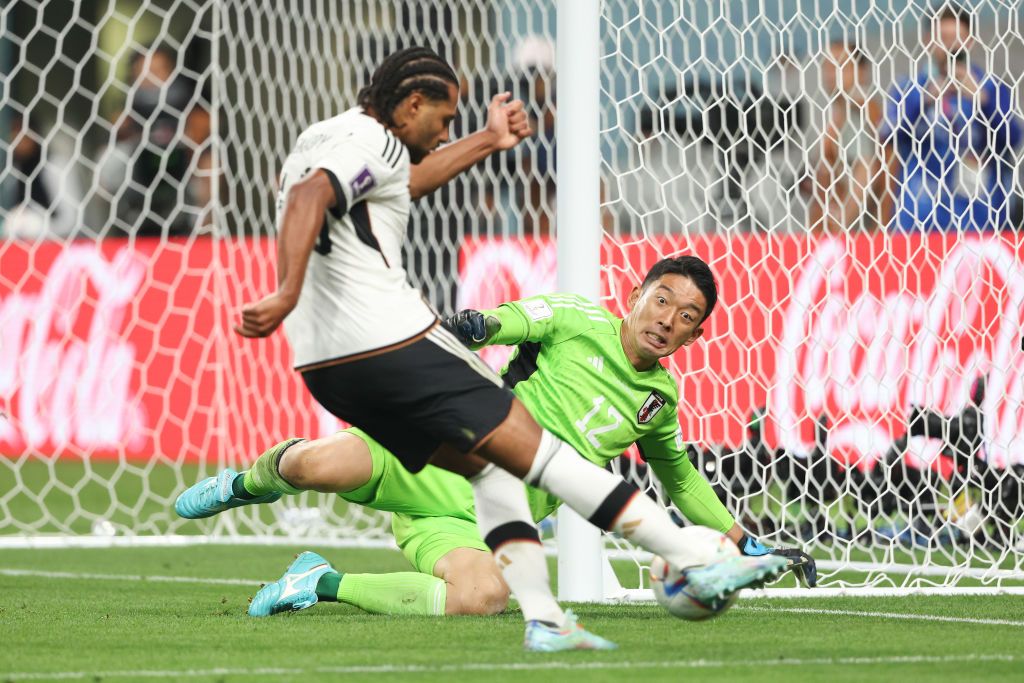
column 404, row 593
column 263, row 477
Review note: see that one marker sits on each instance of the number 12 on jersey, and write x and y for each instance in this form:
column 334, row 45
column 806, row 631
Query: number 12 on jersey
column 592, row 433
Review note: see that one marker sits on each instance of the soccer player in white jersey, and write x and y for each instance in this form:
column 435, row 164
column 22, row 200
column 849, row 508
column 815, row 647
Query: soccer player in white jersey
column 575, row 370
column 370, row 349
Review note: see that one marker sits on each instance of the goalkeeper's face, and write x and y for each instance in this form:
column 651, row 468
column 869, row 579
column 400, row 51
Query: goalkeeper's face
column 663, row 316
column 423, row 123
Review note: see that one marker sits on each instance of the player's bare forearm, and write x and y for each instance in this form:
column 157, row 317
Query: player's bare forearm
column 735, row 533
column 303, row 215
column 507, row 126
column 441, row 166
column 300, row 223
column 294, row 243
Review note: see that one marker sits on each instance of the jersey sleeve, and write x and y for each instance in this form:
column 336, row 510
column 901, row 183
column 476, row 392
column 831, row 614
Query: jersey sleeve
column 360, row 167
column 546, row 318
column 665, row 452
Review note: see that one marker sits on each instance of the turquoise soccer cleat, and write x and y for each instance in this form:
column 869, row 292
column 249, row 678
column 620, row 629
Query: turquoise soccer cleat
column 213, row 495
column 542, row 638
column 295, row 590
column 722, row 578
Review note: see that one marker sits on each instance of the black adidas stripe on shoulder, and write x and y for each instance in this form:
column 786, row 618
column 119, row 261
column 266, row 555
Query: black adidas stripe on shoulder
column 389, row 145
column 395, row 154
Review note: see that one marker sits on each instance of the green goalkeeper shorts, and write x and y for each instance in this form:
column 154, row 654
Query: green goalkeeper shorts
column 433, row 510
column 425, row 540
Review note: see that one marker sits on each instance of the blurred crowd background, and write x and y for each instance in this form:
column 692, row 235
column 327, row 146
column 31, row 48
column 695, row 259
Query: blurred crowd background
column 170, row 117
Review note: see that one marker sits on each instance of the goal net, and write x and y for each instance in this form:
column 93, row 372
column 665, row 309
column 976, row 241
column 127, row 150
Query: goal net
column 849, row 170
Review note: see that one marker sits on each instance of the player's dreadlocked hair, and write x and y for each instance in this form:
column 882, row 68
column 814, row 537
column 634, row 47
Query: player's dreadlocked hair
column 402, row 73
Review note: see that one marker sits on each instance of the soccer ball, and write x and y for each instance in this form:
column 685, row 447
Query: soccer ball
column 669, row 583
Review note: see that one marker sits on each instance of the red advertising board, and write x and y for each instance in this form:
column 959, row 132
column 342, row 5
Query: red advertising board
column 860, row 329
column 125, row 349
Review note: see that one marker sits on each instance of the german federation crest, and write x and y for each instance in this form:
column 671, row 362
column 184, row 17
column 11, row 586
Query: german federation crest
column 650, row 408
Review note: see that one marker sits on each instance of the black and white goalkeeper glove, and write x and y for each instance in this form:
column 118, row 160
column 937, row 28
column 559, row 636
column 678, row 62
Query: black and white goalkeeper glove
column 800, row 563
column 472, row 327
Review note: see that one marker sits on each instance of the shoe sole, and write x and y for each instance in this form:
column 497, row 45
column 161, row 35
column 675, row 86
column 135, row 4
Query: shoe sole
column 580, row 646
column 556, row 645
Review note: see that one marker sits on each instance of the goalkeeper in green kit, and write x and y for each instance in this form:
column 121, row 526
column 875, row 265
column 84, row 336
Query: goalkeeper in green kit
column 591, row 378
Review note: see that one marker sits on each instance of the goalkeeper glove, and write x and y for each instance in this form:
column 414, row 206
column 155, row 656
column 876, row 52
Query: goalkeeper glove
column 800, row 563
column 472, row 328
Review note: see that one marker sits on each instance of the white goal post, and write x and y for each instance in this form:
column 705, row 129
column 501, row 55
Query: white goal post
column 849, row 169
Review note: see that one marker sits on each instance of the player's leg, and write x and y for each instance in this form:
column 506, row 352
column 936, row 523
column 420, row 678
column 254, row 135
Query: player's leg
column 474, row 582
column 312, row 579
column 445, row 528
column 455, row 573
column 447, row 398
column 521, row 447
column 478, row 416
column 450, row 548
column 433, row 524
column 456, row 576
column 338, row 463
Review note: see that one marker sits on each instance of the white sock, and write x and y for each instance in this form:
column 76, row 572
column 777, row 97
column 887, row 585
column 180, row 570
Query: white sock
column 606, row 500
column 504, row 519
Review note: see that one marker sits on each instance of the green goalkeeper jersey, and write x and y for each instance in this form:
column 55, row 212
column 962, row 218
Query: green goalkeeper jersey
column 571, row 372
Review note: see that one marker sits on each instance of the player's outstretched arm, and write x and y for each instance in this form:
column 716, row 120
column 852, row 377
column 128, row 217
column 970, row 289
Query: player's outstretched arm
column 507, row 126
column 474, row 328
column 300, row 222
column 693, row 495
column 501, row 326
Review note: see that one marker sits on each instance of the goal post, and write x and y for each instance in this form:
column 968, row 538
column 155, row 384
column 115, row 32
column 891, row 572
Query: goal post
column 858, row 391
column 578, row 227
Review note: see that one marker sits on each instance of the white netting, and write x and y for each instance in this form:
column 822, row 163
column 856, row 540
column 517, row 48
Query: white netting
column 782, row 143
column 858, row 394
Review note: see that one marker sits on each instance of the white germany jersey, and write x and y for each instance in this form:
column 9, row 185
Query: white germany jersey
column 355, row 297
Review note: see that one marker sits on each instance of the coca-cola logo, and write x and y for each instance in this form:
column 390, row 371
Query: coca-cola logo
column 65, row 371
column 865, row 340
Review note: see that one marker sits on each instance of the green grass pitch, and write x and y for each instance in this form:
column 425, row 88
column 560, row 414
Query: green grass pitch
column 181, row 616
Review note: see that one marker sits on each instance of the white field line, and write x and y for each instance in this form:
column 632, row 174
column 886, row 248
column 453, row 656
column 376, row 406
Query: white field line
column 574, row 664
column 625, row 595
column 181, row 540
column 127, row 577
column 751, row 608
column 883, row 615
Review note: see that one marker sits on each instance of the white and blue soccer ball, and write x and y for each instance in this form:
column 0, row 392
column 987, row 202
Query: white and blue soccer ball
column 670, row 583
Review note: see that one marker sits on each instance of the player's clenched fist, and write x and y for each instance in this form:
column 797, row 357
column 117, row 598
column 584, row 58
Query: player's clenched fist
column 263, row 317
column 507, row 120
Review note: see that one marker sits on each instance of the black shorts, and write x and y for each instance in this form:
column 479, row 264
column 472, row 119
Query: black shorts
column 416, row 397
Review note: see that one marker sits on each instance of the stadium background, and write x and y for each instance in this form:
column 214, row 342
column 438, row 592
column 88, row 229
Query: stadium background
column 117, row 299
column 139, row 143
